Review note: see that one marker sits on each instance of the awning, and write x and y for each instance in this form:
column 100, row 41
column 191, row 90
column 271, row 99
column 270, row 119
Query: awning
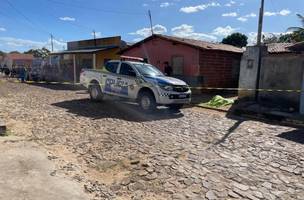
column 82, row 51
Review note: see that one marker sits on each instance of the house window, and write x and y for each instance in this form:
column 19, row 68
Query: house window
column 250, row 64
column 178, row 65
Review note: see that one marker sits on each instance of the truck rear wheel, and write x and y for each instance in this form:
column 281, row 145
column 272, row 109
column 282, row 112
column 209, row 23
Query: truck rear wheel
column 147, row 101
column 95, row 92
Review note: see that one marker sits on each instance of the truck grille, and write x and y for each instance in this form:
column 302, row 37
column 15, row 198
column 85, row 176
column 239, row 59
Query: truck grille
column 180, row 88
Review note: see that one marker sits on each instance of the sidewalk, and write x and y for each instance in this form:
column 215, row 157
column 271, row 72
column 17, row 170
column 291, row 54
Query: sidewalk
column 26, row 174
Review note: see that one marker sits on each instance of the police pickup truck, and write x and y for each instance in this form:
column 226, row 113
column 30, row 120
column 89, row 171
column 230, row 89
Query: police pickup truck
column 136, row 81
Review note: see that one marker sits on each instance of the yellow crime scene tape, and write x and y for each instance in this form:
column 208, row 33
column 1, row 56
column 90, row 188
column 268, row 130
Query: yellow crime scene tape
column 195, row 88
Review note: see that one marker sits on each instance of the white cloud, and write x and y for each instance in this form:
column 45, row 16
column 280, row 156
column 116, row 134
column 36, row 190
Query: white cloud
column 252, row 36
column 224, row 31
column 2, row 29
column 270, row 14
column 165, row 4
column 145, row 5
column 231, row 3
column 193, row 9
column 242, row 19
column 97, row 34
column 283, row 12
column 250, row 15
column 13, row 43
column 232, row 14
column 67, row 18
column 146, row 32
column 187, row 31
column 245, row 17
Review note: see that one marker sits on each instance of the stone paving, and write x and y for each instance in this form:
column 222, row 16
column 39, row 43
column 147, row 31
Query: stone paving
column 118, row 152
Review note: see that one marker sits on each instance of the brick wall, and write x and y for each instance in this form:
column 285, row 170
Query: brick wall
column 219, row 68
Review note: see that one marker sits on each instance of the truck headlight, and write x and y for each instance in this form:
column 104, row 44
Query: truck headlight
column 166, row 87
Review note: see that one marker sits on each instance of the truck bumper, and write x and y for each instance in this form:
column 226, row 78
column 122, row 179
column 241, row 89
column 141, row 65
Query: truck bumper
column 173, row 98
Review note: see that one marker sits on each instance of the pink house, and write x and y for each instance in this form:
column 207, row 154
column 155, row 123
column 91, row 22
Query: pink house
column 197, row 62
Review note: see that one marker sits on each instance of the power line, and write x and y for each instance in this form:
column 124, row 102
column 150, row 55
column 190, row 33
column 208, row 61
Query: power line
column 26, row 18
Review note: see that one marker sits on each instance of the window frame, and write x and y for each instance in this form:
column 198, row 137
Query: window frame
column 118, row 66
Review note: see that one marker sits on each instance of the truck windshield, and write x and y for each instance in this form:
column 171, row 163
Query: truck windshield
column 148, row 70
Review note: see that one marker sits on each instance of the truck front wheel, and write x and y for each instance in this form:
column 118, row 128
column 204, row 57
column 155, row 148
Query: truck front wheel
column 147, row 101
column 95, row 92
column 175, row 107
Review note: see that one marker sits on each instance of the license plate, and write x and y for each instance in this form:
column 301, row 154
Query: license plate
column 182, row 96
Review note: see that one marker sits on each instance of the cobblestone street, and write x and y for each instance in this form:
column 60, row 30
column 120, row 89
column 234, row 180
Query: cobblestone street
column 117, row 152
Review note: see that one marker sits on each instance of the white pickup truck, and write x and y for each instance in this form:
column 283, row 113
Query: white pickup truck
column 136, row 81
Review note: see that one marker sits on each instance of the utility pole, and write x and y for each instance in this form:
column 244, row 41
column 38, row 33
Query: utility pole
column 260, row 28
column 94, row 35
column 52, row 42
column 151, row 24
column 259, row 44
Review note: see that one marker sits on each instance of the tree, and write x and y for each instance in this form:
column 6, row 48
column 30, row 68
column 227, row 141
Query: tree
column 236, row 39
column 2, row 53
column 39, row 53
column 14, row 52
column 297, row 34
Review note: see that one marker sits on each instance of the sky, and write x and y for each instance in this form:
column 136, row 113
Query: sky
column 28, row 24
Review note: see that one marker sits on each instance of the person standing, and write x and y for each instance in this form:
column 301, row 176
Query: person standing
column 168, row 69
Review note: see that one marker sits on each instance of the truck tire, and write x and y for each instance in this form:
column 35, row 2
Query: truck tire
column 175, row 107
column 147, row 101
column 95, row 92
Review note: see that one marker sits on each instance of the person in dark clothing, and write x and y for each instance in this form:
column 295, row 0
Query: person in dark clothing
column 168, row 69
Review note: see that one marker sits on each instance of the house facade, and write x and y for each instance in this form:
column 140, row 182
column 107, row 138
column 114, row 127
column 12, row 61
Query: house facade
column 197, row 62
column 12, row 60
column 91, row 54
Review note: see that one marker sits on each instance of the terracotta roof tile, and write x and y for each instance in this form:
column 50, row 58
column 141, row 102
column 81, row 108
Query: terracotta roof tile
column 279, row 47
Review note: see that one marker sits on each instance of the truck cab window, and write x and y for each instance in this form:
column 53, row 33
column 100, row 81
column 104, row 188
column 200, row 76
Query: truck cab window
column 126, row 69
column 111, row 67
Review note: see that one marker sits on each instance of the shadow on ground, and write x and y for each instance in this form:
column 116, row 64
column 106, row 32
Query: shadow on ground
column 295, row 136
column 115, row 109
column 70, row 87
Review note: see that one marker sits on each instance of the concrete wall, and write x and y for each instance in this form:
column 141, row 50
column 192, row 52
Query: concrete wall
column 283, row 72
column 248, row 72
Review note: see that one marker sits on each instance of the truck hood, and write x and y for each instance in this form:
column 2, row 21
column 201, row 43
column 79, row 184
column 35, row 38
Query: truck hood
column 165, row 80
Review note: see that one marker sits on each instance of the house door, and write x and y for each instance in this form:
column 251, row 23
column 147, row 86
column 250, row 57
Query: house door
column 178, row 65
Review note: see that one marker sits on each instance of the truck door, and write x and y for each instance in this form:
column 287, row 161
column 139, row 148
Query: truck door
column 109, row 78
column 126, row 80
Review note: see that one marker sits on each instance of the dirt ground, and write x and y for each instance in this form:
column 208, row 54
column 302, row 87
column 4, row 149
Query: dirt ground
column 114, row 151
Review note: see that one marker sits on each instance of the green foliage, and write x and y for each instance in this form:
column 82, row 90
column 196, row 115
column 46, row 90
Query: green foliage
column 236, row 39
column 39, row 53
column 14, row 52
column 2, row 53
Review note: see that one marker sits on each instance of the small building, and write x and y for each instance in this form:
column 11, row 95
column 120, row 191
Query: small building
column 282, row 68
column 12, row 60
column 91, row 54
column 197, row 62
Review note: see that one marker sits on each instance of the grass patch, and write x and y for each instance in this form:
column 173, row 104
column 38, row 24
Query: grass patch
column 6, row 133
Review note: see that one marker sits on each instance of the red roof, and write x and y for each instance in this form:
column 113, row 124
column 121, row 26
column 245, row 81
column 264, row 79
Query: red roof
column 191, row 42
column 19, row 56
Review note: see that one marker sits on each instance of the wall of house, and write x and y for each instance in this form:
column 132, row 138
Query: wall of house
column 158, row 51
column 282, row 72
column 102, row 56
column 219, row 68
